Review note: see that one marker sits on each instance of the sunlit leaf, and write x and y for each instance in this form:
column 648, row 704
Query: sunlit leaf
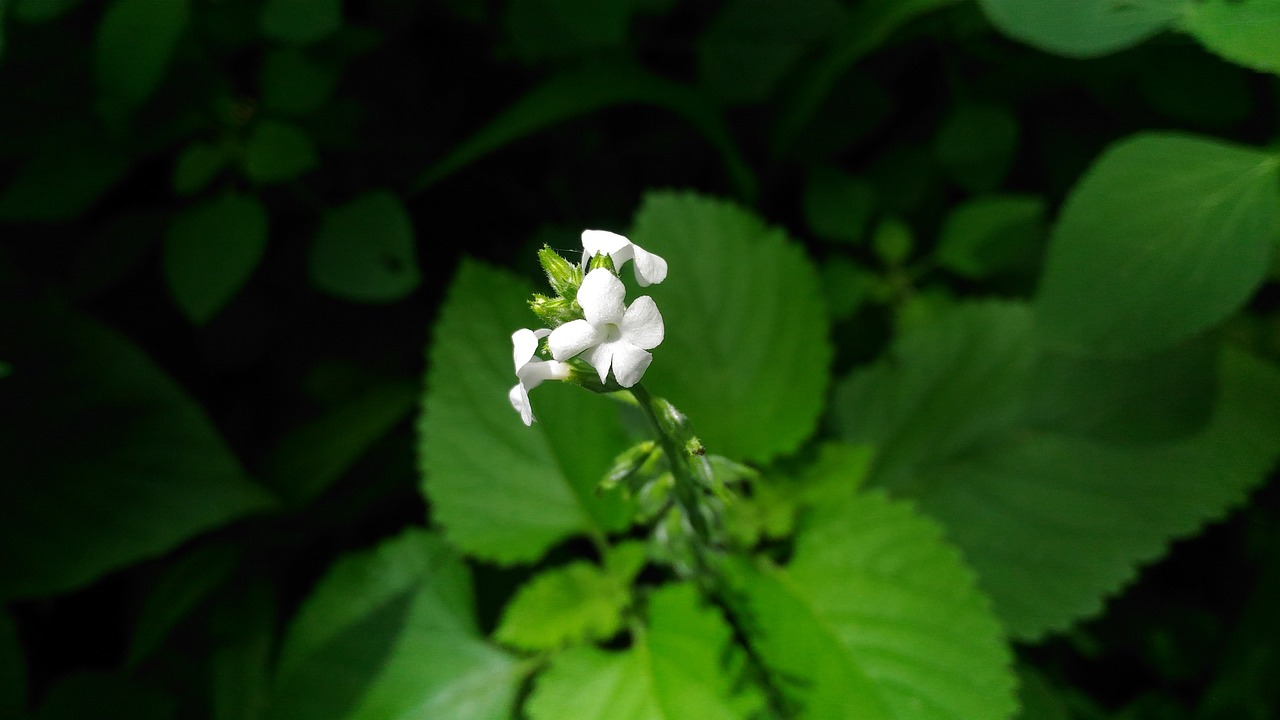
column 503, row 491
column 131, row 52
column 117, row 463
column 1081, row 28
column 210, row 251
column 1246, row 32
column 586, row 90
column 564, row 606
column 1052, row 522
column 364, row 250
column 391, row 632
column 277, row 152
column 300, row 21
column 674, row 670
column 877, row 617
column 317, row 453
column 738, row 293
column 1165, row 236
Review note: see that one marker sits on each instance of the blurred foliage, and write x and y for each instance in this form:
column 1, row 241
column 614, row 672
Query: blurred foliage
column 975, row 304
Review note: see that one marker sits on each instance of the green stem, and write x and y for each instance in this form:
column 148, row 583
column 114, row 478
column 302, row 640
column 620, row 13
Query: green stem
column 686, row 488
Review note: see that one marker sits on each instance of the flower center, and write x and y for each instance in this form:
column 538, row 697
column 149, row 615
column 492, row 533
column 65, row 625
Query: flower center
column 612, row 333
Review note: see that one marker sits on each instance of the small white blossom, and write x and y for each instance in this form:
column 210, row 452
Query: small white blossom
column 650, row 269
column 531, row 372
column 612, row 335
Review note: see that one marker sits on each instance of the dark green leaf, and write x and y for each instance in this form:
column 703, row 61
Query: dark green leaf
column 877, row 617
column 550, row 29
column 737, row 293
column 985, row 236
column 364, row 250
column 503, row 491
column 132, row 51
column 1081, row 28
column 105, row 696
column 837, row 206
column 1164, row 237
column 182, row 585
column 210, row 251
column 198, row 164
column 277, row 152
column 242, row 629
column 976, row 146
column 300, row 21
column 116, row 463
column 293, row 83
column 63, row 180
column 390, row 632
column 38, row 11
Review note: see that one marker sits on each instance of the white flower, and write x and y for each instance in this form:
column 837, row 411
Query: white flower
column 612, row 334
column 650, row 269
column 531, row 372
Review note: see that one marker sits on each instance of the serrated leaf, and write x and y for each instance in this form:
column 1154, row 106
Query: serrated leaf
column 364, row 251
column 300, row 21
column 1053, row 523
column 317, row 453
column 987, row 235
column 585, row 90
column 750, row 46
column 210, row 251
column 198, row 164
column 673, row 670
column 563, row 606
column 128, row 465
column 837, row 206
column 132, row 49
column 277, row 152
column 503, row 491
column 1081, row 28
column 1165, row 236
column 1246, row 32
column 876, row 617
column 391, row 632
column 976, row 146
column 738, row 293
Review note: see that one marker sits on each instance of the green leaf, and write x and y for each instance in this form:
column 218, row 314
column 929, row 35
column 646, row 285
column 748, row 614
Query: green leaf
column 976, row 145
column 198, row 164
column 63, row 180
column 585, row 90
column 503, row 491
column 38, row 11
column 1040, row 700
column 750, row 46
column 277, row 152
column 564, row 606
column 673, row 670
column 364, row 250
column 293, row 83
column 1164, row 237
column 128, row 465
column 738, row 293
column 181, row 586
column 557, row 29
column 988, row 235
column 300, row 22
column 210, row 251
column 876, row 617
column 13, row 671
column 317, row 453
column 391, row 632
column 242, row 632
column 104, row 696
column 132, row 49
column 1081, row 28
column 837, row 206
column 1052, row 522
column 1246, row 32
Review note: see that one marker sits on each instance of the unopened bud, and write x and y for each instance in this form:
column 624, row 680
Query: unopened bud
column 564, row 276
column 554, row 311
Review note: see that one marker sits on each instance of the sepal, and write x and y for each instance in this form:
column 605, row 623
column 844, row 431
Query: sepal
column 565, row 277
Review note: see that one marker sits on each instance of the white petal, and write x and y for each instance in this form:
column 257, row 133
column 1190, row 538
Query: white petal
column 572, row 338
column 524, row 345
column 629, row 363
column 519, row 397
column 601, row 295
column 650, row 269
column 532, row 374
column 601, row 242
column 600, row 357
column 642, row 324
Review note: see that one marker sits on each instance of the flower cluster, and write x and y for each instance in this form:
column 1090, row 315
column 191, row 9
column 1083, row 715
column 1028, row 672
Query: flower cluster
column 590, row 319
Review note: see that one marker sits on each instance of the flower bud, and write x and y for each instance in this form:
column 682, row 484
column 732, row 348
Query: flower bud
column 602, row 261
column 564, row 276
column 554, row 311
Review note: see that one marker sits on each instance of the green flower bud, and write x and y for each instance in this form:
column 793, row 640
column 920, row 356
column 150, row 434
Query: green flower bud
column 554, row 311
column 564, row 276
column 628, row 468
